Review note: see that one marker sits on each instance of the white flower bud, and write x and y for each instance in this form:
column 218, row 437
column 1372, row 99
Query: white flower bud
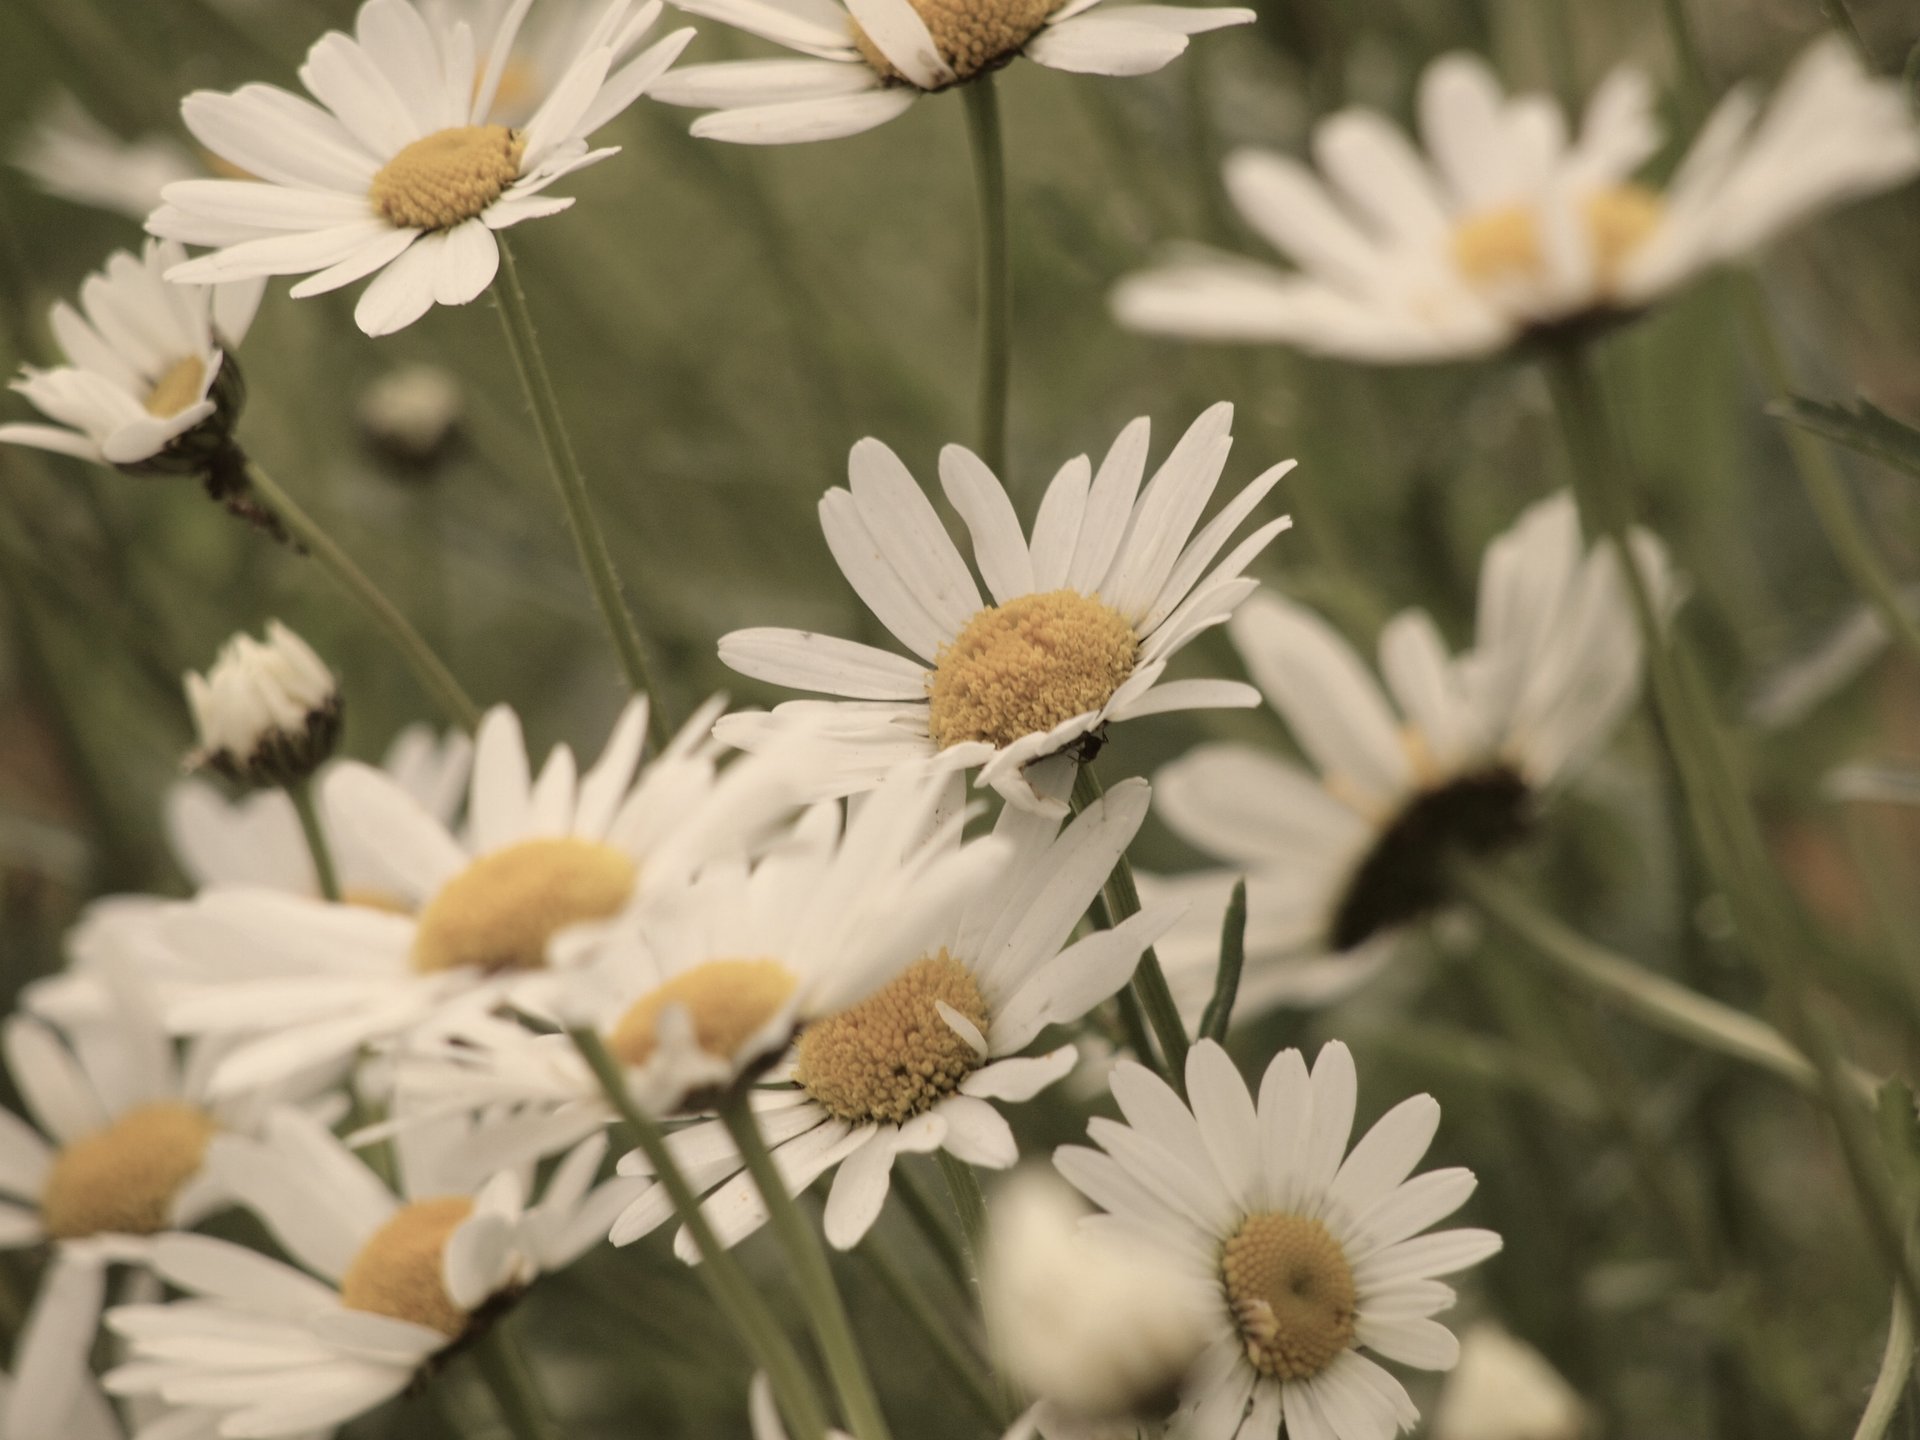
column 411, row 415
column 267, row 714
column 1504, row 1389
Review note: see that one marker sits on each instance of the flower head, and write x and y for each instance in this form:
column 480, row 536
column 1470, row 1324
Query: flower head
column 267, row 713
column 1506, row 226
column 70, row 154
column 1504, row 1389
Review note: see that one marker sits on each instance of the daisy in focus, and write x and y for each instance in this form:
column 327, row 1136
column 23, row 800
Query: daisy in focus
column 383, row 1282
column 1508, row 226
column 1083, row 621
column 1302, row 1254
column 149, row 384
column 911, row 1068
column 1342, row 854
column 399, row 169
column 869, row 60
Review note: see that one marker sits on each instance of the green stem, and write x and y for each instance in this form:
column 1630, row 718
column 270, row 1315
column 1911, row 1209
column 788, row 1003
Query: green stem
column 571, row 481
column 1896, row 1368
column 502, row 1365
column 927, row 1319
column 971, row 1206
column 1218, row 1015
column 732, row 1292
column 934, row 1226
column 301, row 794
column 826, row 1311
column 995, row 291
column 1149, row 980
column 434, row 677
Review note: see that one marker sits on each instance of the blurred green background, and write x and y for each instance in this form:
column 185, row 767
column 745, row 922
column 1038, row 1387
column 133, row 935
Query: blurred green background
column 724, row 322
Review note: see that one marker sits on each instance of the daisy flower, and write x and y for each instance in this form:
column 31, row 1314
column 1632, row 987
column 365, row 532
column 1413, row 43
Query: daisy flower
column 539, row 51
column 1504, row 1389
column 467, row 917
column 150, row 384
column 399, row 169
column 1344, row 853
column 70, row 154
column 383, row 1283
column 1303, row 1254
column 1083, row 621
column 869, row 60
column 267, row 713
column 1508, row 226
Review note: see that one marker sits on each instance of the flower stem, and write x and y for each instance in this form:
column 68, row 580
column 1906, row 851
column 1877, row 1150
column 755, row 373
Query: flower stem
column 1896, row 1368
column 595, row 559
column 1149, row 980
column 934, row 1227
column 995, row 291
column 732, row 1293
column 502, row 1365
column 826, row 1311
column 971, row 1206
column 912, row 1302
column 301, row 793
column 434, row 677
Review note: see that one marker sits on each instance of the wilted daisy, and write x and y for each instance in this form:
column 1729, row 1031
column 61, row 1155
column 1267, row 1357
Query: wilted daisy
column 70, row 154
column 1508, row 225
column 1504, row 1389
column 267, row 713
column 910, row 1069
column 149, row 383
column 1343, row 853
column 399, row 169
column 1304, row 1255
column 1083, row 621
column 400, row 1277
column 869, row 60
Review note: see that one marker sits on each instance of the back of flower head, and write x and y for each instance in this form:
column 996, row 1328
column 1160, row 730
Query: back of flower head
column 267, row 713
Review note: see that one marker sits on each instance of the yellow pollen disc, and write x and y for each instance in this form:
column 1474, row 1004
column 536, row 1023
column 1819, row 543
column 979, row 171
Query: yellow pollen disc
column 122, row 1180
column 893, row 1056
column 1619, row 219
column 1292, row 1294
column 177, row 388
column 1503, row 245
column 728, row 1000
column 398, row 1272
column 1027, row 665
column 449, row 176
column 499, row 913
column 971, row 34
column 379, row 900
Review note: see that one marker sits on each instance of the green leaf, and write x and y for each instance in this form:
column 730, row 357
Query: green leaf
column 1870, row 430
column 1233, row 954
column 1899, row 1125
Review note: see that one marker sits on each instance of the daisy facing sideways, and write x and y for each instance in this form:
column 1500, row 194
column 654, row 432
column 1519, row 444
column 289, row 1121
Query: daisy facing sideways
column 1507, row 225
column 383, row 1282
column 869, row 60
column 910, row 1069
column 1302, row 1253
column 1083, row 619
column 1342, row 854
column 399, row 169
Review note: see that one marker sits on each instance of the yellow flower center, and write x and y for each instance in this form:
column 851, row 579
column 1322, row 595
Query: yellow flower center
column 972, row 35
column 1027, row 665
column 1503, row 245
column 177, row 388
column 500, row 912
column 399, row 1272
column 447, row 177
column 729, row 1002
column 1291, row 1292
column 122, row 1180
column 893, row 1056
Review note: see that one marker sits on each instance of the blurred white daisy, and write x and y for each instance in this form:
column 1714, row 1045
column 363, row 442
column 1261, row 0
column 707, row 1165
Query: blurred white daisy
column 148, row 367
column 267, row 712
column 1504, row 1389
column 869, row 60
column 1342, row 854
column 70, row 154
column 538, row 52
column 399, row 169
column 1304, row 1255
column 467, row 918
column 401, row 1278
column 1083, row 622
column 1507, row 225
column 911, row 1068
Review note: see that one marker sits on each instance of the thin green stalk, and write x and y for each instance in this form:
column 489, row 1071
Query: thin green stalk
column 1218, row 1015
column 516, row 319
column 995, row 291
column 954, row 1356
column 1149, row 980
column 434, row 677
column 971, row 1205
column 732, row 1292
column 301, row 794
column 813, row 1276
column 934, row 1227
column 502, row 1365
column 1896, row 1368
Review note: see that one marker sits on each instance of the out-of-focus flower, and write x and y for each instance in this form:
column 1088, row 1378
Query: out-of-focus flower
column 1504, row 1389
column 1506, row 226
column 538, row 52
column 1344, row 853
column 1084, row 618
column 400, row 171
column 267, row 713
column 412, row 415
column 70, row 154
column 150, row 384
column 1300, row 1254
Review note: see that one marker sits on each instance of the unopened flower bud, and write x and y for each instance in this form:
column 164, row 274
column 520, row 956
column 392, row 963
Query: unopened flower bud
column 412, row 415
column 267, row 713
column 1504, row 1389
